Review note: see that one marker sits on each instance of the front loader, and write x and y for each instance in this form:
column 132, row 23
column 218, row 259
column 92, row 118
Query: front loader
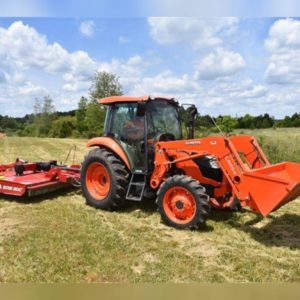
column 143, row 155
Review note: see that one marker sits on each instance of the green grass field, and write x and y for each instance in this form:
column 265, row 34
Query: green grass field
column 57, row 238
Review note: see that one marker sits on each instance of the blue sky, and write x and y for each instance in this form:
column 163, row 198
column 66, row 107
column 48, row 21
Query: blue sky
column 224, row 65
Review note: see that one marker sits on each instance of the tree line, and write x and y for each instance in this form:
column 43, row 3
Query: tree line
column 229, row 123
column 88, row 119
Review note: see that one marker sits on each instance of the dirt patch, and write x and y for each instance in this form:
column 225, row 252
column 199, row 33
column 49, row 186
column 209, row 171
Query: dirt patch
column 2, row 135
column 138, row 269
column 150, row 258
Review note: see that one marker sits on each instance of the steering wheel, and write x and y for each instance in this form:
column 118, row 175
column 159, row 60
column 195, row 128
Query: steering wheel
column 164, row 137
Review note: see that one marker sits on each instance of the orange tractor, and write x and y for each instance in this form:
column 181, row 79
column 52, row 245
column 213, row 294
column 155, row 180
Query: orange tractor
column 143, row 154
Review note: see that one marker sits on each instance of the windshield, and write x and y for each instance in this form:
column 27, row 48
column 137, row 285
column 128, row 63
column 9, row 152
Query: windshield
column 163, row 118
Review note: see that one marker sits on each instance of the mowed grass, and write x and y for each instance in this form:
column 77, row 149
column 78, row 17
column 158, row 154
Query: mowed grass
column 57, row 238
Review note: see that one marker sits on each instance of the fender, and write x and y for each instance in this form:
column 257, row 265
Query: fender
column 111, row 144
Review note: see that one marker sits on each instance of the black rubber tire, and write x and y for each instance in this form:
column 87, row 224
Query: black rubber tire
column 119, row 178
column 200, row 196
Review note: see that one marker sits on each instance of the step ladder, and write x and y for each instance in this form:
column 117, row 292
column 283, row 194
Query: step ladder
column 136, row 187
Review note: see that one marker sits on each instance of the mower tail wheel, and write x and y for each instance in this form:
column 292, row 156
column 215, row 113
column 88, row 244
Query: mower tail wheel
column 183, row 203
column 104, row 179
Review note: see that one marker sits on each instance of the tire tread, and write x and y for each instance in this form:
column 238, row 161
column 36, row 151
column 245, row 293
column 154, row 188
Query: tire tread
column 120, row 176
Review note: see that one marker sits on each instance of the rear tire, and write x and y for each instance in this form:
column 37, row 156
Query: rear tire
column 104, row 179
column 183, row 202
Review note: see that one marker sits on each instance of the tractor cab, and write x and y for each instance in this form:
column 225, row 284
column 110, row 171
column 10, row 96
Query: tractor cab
column 137, row 123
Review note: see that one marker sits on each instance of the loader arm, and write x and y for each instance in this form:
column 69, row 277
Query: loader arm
column 248, row 175
column 184, row 160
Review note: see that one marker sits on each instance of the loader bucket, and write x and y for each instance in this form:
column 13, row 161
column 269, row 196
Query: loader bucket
column 272, row 186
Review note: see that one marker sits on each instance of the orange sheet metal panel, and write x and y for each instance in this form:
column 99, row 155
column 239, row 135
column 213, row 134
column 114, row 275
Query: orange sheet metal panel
column 117, row 99
column 109, row 143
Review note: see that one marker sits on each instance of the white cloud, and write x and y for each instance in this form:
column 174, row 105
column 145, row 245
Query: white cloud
column 22, row 47
column 18, row 99
column 165, row 83
column 128, row 70
column 283, row 35
column 2, row 77
column 219, row 63
column 87, row 28
column 28, row 62
column 223, row 97
column 244, row 89
column 76, row 85
column 123, row 40
column 283, row 44
column 135, row 60
column 197, row 32
column 28, row 88
column 208, row 35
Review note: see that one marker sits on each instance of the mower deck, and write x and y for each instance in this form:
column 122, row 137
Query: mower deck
column 31, row 179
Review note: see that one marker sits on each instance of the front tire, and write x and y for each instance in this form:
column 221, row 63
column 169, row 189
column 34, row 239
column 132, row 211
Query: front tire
column 183, row 203
column 104, row 179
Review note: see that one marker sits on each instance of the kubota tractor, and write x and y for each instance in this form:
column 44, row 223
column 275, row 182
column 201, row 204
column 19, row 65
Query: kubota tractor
column 143, row 154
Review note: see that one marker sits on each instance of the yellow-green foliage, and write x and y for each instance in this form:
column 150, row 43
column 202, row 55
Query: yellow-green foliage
column 279, row 144
column 63, row 127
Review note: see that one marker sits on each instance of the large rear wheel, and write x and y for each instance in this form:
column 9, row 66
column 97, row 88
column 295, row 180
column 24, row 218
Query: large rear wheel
column 183, row 203
column 104, row 179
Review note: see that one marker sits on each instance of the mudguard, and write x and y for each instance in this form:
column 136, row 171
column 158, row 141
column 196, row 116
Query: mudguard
column 111, row 144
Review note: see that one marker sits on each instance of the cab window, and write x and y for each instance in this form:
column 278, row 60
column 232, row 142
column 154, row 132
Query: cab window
column 125, row 124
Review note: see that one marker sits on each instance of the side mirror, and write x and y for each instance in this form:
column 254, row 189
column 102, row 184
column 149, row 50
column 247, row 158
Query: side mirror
column 141, row 109
column 192, row 111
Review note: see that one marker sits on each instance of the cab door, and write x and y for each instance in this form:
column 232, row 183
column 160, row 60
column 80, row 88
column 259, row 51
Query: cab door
column 128, row 129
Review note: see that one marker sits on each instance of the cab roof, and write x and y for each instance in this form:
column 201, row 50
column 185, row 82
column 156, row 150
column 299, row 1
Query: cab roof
column 118, row 99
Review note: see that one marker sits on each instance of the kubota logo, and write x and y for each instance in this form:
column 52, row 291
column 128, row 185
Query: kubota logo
column 193, row 143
